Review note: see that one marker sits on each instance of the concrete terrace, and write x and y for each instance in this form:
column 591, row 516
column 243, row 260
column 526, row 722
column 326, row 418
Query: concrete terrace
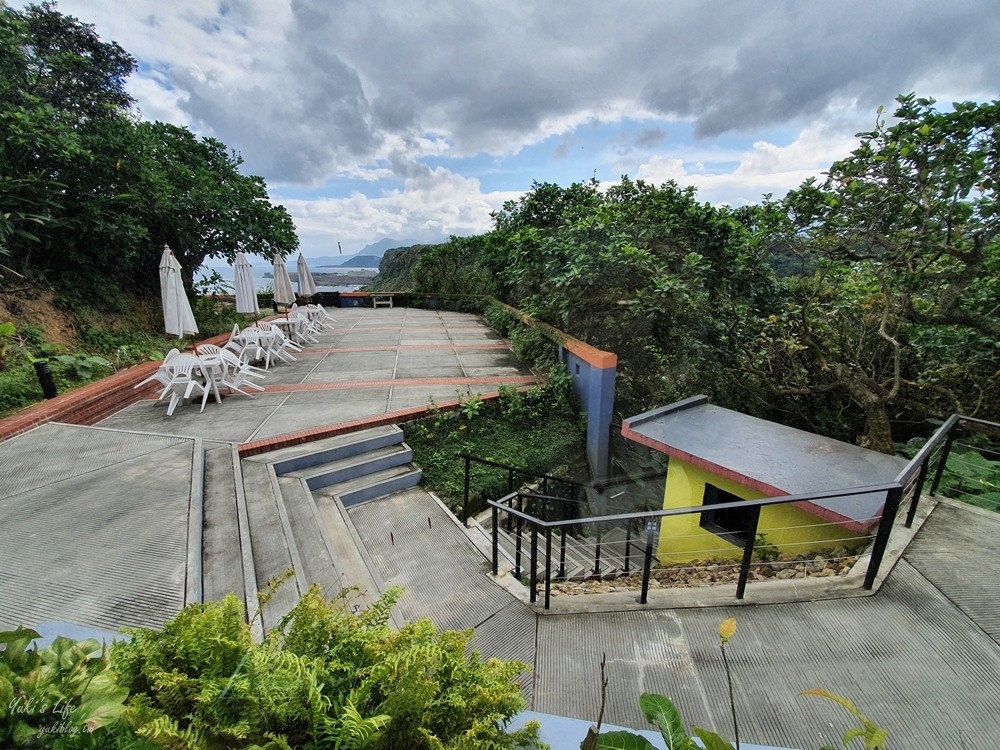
column 119, row 524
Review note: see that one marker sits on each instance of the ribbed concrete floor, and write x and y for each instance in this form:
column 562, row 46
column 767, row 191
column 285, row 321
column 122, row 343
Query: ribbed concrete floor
column 99, row 537
column 910, row 656
column 414, row 543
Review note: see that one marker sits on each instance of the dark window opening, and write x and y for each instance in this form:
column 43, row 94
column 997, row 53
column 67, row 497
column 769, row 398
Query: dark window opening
column 730, row 523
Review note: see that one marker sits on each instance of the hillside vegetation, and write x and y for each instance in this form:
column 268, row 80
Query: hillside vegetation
column 860, row 307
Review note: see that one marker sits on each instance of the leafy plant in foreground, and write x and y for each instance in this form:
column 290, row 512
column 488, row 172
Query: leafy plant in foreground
column 331, row 674
column 60, row 696
column 874, row 736
column 659, row 710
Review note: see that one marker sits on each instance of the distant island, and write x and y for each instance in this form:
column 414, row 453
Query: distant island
column 348, row 278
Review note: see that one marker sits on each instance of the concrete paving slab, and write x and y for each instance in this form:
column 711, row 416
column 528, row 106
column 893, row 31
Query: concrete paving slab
column 401, row 399
column 342, row 403
column 423, row 336
column 490, row 358
column 494, row 372
column 292, row 418
column 99, row 536
column 430, row 373
column 337, row 375
column 354, row 362
column 235, row 420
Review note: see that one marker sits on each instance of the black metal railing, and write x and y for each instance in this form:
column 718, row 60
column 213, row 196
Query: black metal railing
column 555, row 487
column 559, row 487
column 530, row 512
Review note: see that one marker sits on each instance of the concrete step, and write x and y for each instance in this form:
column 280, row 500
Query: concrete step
column 377, row 484
column 318, row 562
column 271, row 543
column 351, row 467
column 338, row 447
column 222, row 559
column 352, row 559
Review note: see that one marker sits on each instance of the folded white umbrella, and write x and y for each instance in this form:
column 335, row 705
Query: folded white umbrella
column 307, row 287
column 283, row 293
column 178, row 320
column 246, row 291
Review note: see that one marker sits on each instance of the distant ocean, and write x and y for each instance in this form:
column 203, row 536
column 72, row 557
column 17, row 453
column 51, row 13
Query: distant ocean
column 261, row 282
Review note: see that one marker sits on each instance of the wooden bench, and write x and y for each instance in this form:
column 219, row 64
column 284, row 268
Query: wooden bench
column 381, row 300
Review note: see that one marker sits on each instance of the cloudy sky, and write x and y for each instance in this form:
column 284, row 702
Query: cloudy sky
column 414, row 119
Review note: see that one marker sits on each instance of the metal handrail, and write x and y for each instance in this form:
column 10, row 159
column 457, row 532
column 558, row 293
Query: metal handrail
column 511, row 471
column 909, row 481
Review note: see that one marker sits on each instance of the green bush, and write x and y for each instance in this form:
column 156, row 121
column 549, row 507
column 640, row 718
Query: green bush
column 502, row 320
column 538, row 431
column 62, row 696
column 19, row 387
column 330, row 675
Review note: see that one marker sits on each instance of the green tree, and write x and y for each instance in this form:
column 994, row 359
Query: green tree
column 151, row 184
column 90, row 193
column 38, row 140
column 70, row 68
column 645, row 271
column 900, row 317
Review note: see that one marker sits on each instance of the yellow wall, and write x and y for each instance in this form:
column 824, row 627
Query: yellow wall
column 793, row 530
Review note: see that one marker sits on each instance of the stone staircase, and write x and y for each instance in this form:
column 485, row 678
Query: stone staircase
column 286, row 510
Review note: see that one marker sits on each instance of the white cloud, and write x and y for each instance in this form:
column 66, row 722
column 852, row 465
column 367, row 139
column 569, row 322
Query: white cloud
column 312, row 92
column 429, row 208
column 765, row 168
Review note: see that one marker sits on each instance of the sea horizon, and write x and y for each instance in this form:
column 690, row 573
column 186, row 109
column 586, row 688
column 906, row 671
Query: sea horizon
column 266, row 283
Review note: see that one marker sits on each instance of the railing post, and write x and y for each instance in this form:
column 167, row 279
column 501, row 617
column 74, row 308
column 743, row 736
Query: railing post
column 892, row 498
column 465, row 495
column 518, row 525
column 548, row 565
column 918, row 488
column 533, row 575
column 942, row 461
column 562, row 553
column 496, row 540
column 648, row 562
column 597, row 552
column 628, row 544
column 741, row 586
column 510, row 489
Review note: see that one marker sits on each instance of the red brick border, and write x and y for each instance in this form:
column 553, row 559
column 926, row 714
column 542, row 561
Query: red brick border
column 354, row 425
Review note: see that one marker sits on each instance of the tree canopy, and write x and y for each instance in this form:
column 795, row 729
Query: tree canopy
column 884, row 313
column 91, row 192
column 901, row 315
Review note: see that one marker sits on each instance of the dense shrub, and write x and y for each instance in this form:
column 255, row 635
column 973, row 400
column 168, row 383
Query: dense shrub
column 538, row 431
column 331, row 674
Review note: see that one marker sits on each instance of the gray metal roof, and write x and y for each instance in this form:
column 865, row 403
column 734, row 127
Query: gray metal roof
column 769, row 457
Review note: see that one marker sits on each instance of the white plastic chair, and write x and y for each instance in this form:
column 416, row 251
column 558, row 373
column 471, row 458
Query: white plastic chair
column 182, row 373
column 247, row 345
column 304, row 327
column 321, row 317
column 276, row 343
column 236, row 373
column 160, row 376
